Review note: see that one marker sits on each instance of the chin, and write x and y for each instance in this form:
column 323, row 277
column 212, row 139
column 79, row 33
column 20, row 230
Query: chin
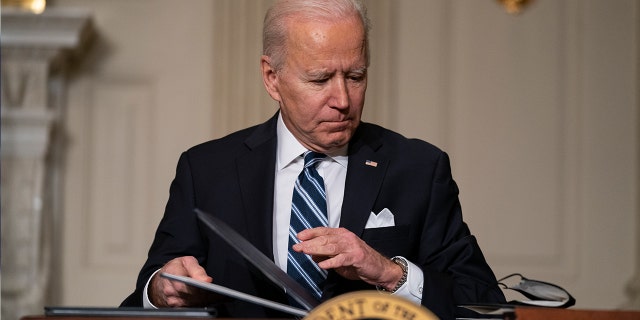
column 338, row 141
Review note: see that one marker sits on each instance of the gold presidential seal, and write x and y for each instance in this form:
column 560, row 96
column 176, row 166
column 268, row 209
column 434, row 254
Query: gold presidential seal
column 369, row 305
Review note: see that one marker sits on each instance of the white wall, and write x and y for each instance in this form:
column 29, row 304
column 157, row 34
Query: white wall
column 540, row 115
column 143, row 96
column 538, row 111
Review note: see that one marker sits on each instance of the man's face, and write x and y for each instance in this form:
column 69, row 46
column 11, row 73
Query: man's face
column 322, row 84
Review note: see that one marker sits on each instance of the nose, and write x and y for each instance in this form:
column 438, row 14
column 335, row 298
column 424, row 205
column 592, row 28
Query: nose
column 339, row 94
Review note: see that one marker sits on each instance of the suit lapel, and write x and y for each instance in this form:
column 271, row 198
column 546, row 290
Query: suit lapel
column 256, row 174
column 365, row 174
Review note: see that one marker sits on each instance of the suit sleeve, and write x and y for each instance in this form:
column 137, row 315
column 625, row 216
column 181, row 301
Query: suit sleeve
column 177, row 234
column 455, row 270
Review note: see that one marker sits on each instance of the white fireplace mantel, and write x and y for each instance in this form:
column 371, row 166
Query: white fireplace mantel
column 36, row 52
column 56, row 28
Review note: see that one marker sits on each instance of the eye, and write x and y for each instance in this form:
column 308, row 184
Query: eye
column 356, row 77
column 320, row 80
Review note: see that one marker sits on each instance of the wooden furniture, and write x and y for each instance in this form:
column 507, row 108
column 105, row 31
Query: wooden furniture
column 521, row 313
column 531, row 313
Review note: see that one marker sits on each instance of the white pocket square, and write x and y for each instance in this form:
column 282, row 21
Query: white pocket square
column 380, row 220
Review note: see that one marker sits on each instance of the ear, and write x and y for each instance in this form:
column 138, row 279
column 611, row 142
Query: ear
column 269, row 77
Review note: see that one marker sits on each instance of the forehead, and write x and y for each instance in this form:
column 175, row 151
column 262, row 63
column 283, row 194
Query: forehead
column 327, row 40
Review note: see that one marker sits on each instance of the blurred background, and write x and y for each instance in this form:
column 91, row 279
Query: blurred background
column 538, row 108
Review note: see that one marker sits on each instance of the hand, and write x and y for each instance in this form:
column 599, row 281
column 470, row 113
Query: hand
column 168, row 293
column 343, row 251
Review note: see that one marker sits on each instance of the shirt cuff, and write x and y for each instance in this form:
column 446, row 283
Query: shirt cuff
column 146, row 302
column 412, row 288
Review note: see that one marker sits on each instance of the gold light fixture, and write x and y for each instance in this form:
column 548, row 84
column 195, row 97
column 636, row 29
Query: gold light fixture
column 35, row 6
column 515, row 6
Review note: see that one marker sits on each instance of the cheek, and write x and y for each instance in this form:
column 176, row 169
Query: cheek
column 305, row 110
column 357, row 100
column 309, row 104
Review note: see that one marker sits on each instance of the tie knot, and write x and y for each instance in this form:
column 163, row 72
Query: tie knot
column 311, row 158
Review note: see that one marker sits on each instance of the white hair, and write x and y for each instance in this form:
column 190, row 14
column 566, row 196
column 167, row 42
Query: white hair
column 276, row 22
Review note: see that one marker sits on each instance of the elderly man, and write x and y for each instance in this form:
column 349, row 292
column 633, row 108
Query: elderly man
column 339, row 204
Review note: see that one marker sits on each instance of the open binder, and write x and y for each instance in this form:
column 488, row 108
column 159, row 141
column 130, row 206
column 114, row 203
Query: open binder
column 268, row 268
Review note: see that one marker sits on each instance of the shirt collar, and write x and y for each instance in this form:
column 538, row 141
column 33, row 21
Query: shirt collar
column 289, row 148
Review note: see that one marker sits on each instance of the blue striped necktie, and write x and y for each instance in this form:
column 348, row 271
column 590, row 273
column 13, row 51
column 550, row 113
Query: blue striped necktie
column 308, row 210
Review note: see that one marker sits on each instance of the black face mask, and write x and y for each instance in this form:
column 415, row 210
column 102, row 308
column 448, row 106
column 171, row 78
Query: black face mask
column 541, row 293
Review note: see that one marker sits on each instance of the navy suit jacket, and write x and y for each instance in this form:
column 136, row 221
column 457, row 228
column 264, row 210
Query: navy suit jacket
column 233, row 178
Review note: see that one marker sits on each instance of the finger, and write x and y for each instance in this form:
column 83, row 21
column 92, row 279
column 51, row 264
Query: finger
column 328, row 242
column 175, row 293
column 320, row 240
column 194, row 270
column 178, row 294
column 318, row 246
column 175, row 267
column 171, row 287
column 163, row 292
column 176, row 302
column 333, row 262
column 176, row 287
column 309, row 234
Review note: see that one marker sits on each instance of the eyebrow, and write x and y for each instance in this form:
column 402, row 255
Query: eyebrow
column 360, row 70
column 323, row 72
column 318, row 73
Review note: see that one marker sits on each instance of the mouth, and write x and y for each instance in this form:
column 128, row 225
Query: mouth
column 343, row 120
column 338, row 125
column 337, row 122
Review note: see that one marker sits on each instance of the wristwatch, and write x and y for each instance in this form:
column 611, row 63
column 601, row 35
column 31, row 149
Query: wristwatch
column 404, row 264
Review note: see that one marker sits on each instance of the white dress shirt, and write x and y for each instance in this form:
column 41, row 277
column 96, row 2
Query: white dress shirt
column 289, row 164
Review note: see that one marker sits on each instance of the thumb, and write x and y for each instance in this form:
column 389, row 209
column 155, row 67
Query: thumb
column 194, row 270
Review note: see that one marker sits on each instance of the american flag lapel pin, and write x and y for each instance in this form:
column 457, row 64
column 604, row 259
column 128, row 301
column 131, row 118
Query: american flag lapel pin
column 371, row 163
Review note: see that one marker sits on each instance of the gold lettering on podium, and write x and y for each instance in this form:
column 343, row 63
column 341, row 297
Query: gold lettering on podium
column 369, row 305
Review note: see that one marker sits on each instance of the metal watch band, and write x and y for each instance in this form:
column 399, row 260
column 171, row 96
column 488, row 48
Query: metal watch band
column 402, row 262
